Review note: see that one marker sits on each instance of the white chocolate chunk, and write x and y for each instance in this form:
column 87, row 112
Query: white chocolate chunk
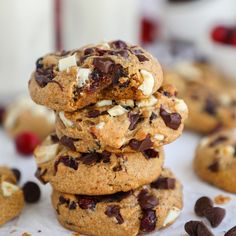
column 126, row 102
column 117, row 110
column 103, row 103
column 148, row 102
column 180, row 105
column 172, row 216
column 66, row 122
column 159, row 137
column 83, row 76
column 148, row 83
column 8, row 188
column 46, row 153
column 225, row 99
column 100, row 125
column 204, row 142
column 67, row 62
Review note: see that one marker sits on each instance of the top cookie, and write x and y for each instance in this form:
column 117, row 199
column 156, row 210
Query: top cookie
column 67, row 81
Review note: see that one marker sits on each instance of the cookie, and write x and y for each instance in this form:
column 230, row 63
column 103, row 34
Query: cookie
column 210, row 98
column 11, row 196
column 23, row 115
column 68, row 81
column 215, row 160
column 95, row 173
column 143, row 210
column 124, row 125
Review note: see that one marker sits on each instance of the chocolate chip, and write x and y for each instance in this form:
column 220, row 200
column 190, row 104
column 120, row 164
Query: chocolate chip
column 63, row 200
column 148, row 221
column 39, row 63
column 136, row 51
column 201, row 205
column 117, row 168
column 68, row 142
column 54, row 138
column 67, row 161
column 106, row 156
column 104, row 65
column 164, row 183
column 17, row 174
column 151, row 153
column 152, row 117
column 231, row 232
column 72, row 205
column 90, row 158
column 44, row 76
column 215, row 215
column 210, row 107
column 142, row 145
column 2, row 112
column 118, row 72
column 93, row 114
column 214, row 167
column 197, row 228
column 89, row 51
column 146, row 200
column 86, row 202
column 118, row 44
column 134, row 119
column 218, row 140
column 141, row 58
column 31, row 192
column 39, row 175
column 172, row 120
column 114, row 211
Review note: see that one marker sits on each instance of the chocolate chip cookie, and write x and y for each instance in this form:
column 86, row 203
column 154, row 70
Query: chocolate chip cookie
column 215, row 160
column 143, row 210
column 11, row 196
column 68, row 81
column 211, row 99
column 124, row 125
column 95, row 173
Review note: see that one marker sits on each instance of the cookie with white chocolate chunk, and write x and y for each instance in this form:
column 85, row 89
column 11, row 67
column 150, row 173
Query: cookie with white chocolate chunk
column 68, row 81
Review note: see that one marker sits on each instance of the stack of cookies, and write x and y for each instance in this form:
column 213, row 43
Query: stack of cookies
column 105, row 161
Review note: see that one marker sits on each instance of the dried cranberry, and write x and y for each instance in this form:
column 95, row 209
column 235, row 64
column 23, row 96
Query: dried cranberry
column 148, row 221
column 172, row 120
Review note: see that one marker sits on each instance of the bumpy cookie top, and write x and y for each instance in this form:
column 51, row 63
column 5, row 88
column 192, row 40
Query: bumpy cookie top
column 115, row 70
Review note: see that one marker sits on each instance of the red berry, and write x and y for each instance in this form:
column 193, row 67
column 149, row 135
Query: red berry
column 232, row 40
column 26, row 143
column 220, row 34
column 148, row 31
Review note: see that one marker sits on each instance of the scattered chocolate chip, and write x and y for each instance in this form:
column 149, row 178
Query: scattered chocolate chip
column 86, row 202
column 2, row 112
column 148, row 221
column 104, row 65
column 142, row 145
column 197, row 228
column 90, row 158
column 117, row 168
column 152, row 117
column 67, row 161
column 231, row 232
column 201, row 205
column 39, row 63
column 118, row 44
column 151, row 153
column 172, row 120
column 122, row 53
column 210, row 107
column 68, row 142
column 17, row 174
column 141, row 58
column 72, row 205
column 118, row 72
column 215, row 215
column 136, row 51
column 44, row 76
column 106, row 156
column 146, row 200
column 214, row 167
column 89, row 51
column 54, row 138
column 93, row 114
column 164, row 183
column 31, row 192
column 114, row 211
column 63, row 200
column 39, row 175
column 134, row 119
column 218, row 140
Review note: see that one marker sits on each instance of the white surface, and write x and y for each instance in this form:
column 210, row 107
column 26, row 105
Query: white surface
column 179, row 154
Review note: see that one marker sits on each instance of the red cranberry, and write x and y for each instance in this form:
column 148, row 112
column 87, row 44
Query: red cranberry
column 2, row 111
column 233, row 37
column 26, row 143
column 220, row 34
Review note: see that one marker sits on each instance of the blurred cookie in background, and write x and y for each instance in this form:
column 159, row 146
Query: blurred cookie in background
column 210, row 97
column 23, row 115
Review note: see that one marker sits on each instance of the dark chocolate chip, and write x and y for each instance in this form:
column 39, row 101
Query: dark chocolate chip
column 118, row 72
column 214, row 167
column 89, row 51
column 172, row 120
column 152, row 117
column 231, row 232
column 63, row 201
column 39, row 175
column 104, row 65
column 215, row 215
column 197, row 228
column 210, row 107
column 146, row 200
column 114, row 211
column 68, row 142
column 117, row 168
column 201, row 205
column 164, row 183
column 151, row 153
column 106, row 156
column 141, row 58
column 44, row 76
column 31, row 192
column 118, row 44
column 17, row 174
column 142, row 145
column 54, row 138
column 67, row 161
column 93, row 114
column 86, row 202
column 137, row 51
column 72, row 205
column 39, row 63
column 91, row 158
column 148, row 221
column 134, row 119
column 218, row 140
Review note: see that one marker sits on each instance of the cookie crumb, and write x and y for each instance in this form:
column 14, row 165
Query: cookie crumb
column 26, row 234
column 221, row 199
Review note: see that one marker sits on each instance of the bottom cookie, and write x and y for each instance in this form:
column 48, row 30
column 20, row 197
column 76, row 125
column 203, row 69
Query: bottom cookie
column 11, row 196
column 145, row 209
